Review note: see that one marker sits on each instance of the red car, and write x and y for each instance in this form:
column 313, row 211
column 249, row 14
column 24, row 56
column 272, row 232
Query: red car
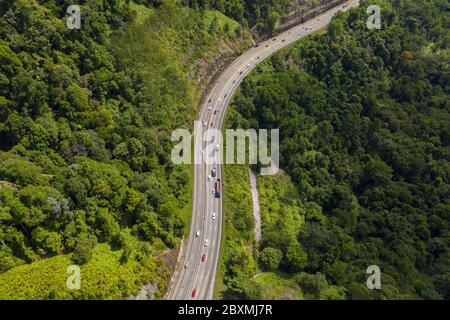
column 203, row 258
column 194, row 293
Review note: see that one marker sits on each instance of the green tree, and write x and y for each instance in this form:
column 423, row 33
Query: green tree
column 273, row 21
column 270, row 258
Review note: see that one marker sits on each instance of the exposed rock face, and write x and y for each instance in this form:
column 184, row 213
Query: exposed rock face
column 298, row 12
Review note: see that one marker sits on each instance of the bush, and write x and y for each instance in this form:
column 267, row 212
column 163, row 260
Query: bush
column 270, row 258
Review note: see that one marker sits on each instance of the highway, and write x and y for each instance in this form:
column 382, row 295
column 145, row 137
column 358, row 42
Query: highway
column 193, row 274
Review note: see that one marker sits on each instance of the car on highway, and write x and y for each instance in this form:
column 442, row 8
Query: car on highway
column 310, row 28
column 213, row 172
column 217, row 189
column 186, row 266
column 267, row 45
column 203, row 258
column 214, row 216
column 206, row 242
column 194, row 293
column 209, row 177
column 217, row 147
column 198, row 233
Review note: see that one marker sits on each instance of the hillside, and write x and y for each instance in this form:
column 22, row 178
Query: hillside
column 364, row 124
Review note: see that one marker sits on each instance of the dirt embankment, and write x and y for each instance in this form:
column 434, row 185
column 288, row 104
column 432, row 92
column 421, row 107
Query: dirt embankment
column 256, row 207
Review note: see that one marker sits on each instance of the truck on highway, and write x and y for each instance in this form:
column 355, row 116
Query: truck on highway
column 217, row 188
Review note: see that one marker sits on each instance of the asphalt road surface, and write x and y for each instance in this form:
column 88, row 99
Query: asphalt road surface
column 193, row 274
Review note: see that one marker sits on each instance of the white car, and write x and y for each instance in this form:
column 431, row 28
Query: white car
column 214, row 216
column 209, row 177
column 186, row 266
column 198, row 233
column 206, row 242
column 218, row 147
column 209, row 108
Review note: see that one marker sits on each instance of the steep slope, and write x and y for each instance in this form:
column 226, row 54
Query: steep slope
column 85, row 123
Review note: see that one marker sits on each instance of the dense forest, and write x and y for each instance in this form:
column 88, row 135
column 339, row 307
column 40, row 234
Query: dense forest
column 85, row 123
column 364, row 121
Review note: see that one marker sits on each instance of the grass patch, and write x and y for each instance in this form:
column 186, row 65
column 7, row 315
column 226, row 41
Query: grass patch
column 105, row 276
column 236, row 255
column 142, row 12
column 186, row 211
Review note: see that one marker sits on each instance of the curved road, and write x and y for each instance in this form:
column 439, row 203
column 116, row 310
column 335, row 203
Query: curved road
column 193, row 274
